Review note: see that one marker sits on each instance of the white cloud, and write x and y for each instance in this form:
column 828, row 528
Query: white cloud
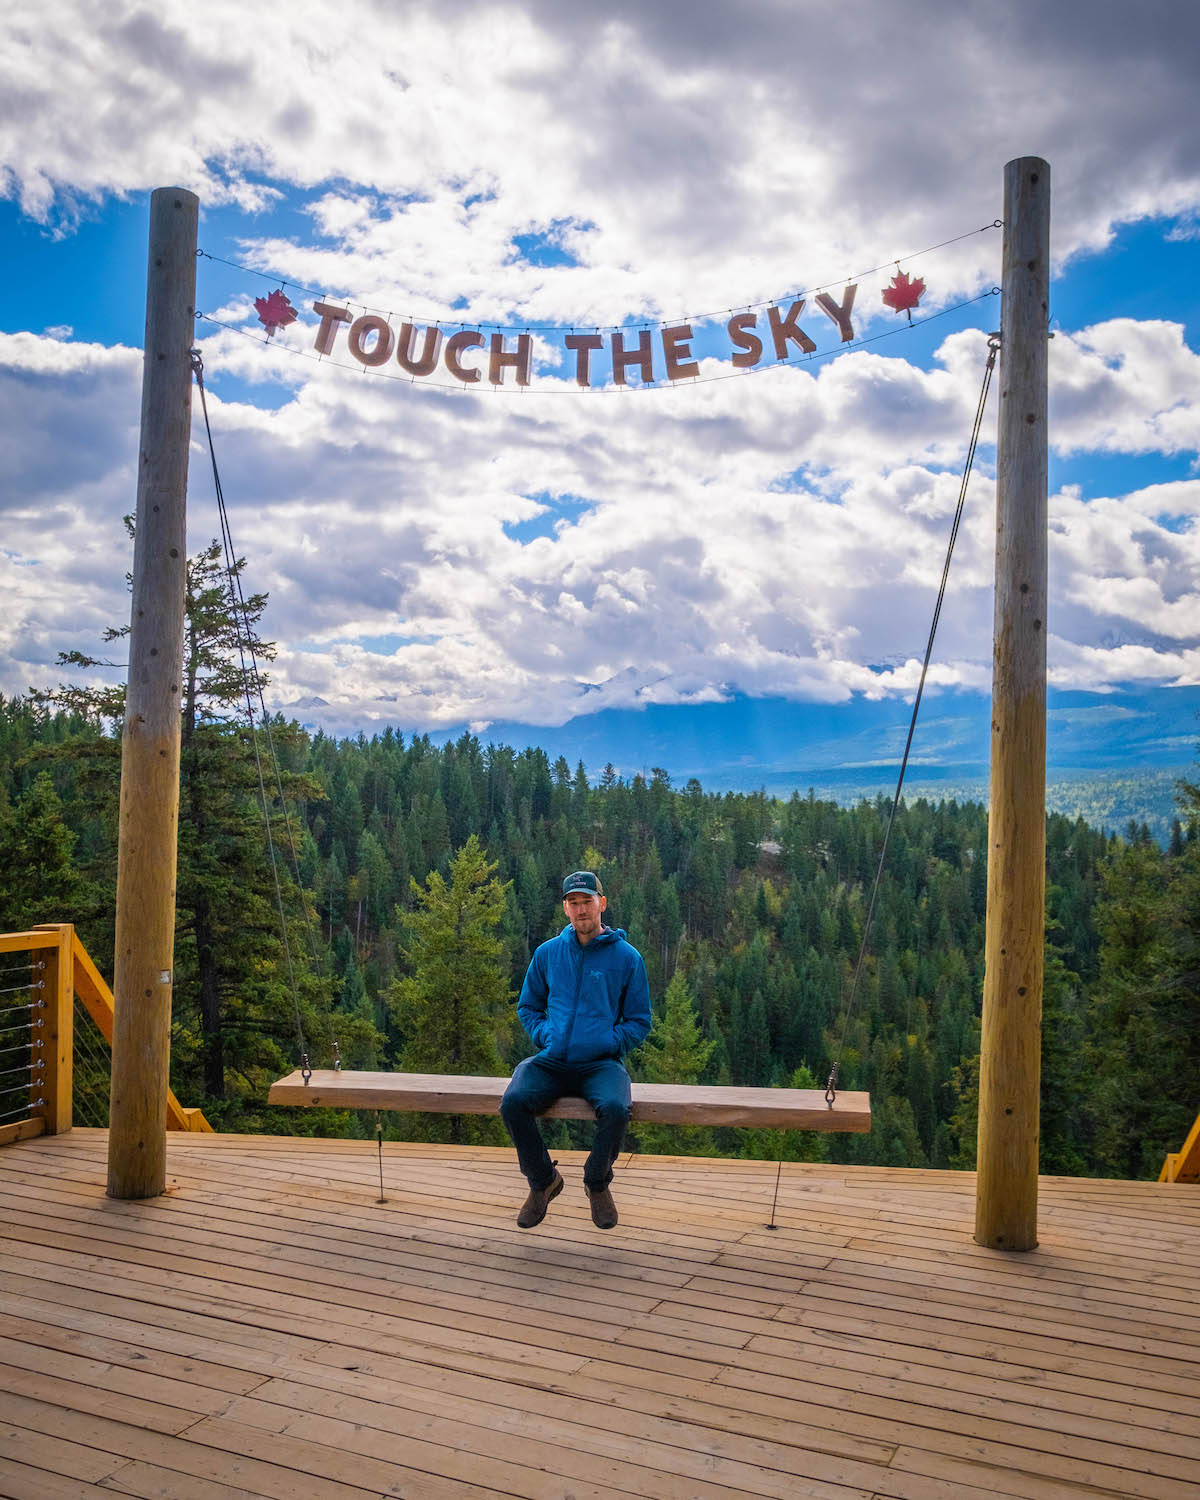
column 778, row 536
column 684, row 156
column 1125, row 387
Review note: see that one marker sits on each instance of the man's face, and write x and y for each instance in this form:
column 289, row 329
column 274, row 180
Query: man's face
column 584, row 911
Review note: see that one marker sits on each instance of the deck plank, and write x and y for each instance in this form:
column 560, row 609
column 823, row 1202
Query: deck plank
column 21, row 1481
column 266, row 1328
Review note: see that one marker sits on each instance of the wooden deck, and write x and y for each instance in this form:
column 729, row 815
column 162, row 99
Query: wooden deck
column 267, row 1329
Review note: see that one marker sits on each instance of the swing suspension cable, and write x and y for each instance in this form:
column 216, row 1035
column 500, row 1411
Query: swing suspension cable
column 241, row 613
column 993, row 349
column 245, row 644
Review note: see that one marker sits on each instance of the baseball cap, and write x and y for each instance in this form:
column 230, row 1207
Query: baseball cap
column 582, row 880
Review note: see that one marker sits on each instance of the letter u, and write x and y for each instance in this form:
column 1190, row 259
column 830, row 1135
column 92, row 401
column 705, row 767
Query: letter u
column 429, row 354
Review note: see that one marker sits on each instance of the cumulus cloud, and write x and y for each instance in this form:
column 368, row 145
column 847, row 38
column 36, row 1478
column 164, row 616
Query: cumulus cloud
column 673, row 156
column 436, row 558
column 1125, row 387
column 784, row 536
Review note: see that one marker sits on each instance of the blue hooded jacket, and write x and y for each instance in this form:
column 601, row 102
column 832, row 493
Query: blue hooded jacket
column 581, row 1003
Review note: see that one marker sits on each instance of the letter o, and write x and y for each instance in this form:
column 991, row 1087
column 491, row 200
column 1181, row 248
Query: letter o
column 382, row 350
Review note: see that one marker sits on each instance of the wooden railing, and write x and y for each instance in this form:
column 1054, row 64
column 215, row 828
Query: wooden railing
column 61, row 971
column 1184, row 1166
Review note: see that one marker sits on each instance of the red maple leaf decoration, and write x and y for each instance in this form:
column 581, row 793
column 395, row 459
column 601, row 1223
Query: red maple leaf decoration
column 903, row 294
column 274, row 312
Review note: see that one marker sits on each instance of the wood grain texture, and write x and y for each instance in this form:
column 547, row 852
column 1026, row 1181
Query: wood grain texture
column 150, row 743
column 25, row 942
column 662, row 1103
column 265, row 1328
column 55, row 1044
column 1010, row 1046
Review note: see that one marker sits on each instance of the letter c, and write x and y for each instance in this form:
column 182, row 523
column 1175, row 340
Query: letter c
column 467, row 339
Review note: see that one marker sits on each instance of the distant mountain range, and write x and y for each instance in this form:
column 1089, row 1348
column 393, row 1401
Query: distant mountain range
column 1116, row 754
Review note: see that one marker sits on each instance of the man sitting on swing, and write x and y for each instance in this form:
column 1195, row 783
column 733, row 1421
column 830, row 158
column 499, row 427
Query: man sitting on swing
column 585, row 1003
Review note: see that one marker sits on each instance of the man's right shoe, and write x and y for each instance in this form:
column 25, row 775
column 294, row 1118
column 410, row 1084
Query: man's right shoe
column 604, row 1210
column 533, row 1211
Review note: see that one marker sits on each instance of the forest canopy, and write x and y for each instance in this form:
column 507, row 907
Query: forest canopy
column 748, row 910
column 393, row 911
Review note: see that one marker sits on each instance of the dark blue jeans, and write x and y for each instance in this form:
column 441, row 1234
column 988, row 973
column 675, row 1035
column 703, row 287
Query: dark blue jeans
column 536, row 1084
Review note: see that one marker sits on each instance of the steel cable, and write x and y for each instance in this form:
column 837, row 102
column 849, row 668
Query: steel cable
column 993, row 347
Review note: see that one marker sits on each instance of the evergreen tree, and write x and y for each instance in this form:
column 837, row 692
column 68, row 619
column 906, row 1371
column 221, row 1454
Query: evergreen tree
column 1063, row 1145
column 1145, row 1055
column 38, row 882
column 452, row 1007
column 238, row 978
column 675, row 1052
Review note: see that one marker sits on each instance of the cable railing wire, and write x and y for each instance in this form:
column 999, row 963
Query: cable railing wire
column 23, row 1114
column 92, row 1070
column 33, row 1067
column 30, row 1026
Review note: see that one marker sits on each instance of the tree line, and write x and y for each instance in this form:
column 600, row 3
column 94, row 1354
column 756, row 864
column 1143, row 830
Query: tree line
column 416, row 879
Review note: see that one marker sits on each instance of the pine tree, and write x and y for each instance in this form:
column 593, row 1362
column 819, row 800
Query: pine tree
column 1145, row 1057
column 1063, row 1146
column 238, row 978
column 963, row 1125
column 452, row 1008
column 675, row 1052
column 37, row 880
column 237, row 973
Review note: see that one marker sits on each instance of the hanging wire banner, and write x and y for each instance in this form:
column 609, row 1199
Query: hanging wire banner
column 598, row 358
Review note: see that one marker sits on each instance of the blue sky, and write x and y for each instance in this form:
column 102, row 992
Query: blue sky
column 440, row 557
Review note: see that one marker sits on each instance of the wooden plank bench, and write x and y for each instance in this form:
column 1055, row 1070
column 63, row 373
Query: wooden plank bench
column 660, row 1103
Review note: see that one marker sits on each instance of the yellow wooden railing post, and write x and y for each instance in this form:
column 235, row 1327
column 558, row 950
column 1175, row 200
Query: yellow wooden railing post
column 1184, row 1166
column 68, row 973
column 97, row 999
column 54, row 1045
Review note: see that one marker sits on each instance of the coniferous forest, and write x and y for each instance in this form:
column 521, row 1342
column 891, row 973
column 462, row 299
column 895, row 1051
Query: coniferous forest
column 416, row 880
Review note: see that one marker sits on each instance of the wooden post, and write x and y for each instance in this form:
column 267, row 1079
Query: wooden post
column 149, row 814
column 1010, row 1054
column 55, row 1046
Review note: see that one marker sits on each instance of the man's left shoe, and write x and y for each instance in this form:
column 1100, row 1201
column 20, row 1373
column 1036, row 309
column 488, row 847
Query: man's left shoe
column 604, row 1210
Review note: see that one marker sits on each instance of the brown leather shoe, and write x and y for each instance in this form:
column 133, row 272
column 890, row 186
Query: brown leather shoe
column 533, row 1210
column 604, row 1210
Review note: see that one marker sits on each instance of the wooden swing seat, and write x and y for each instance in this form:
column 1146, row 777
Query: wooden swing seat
column 657, row 1103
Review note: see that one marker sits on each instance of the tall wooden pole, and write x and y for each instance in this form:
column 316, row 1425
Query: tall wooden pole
column 1010, row 1056
column 137, row 1146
